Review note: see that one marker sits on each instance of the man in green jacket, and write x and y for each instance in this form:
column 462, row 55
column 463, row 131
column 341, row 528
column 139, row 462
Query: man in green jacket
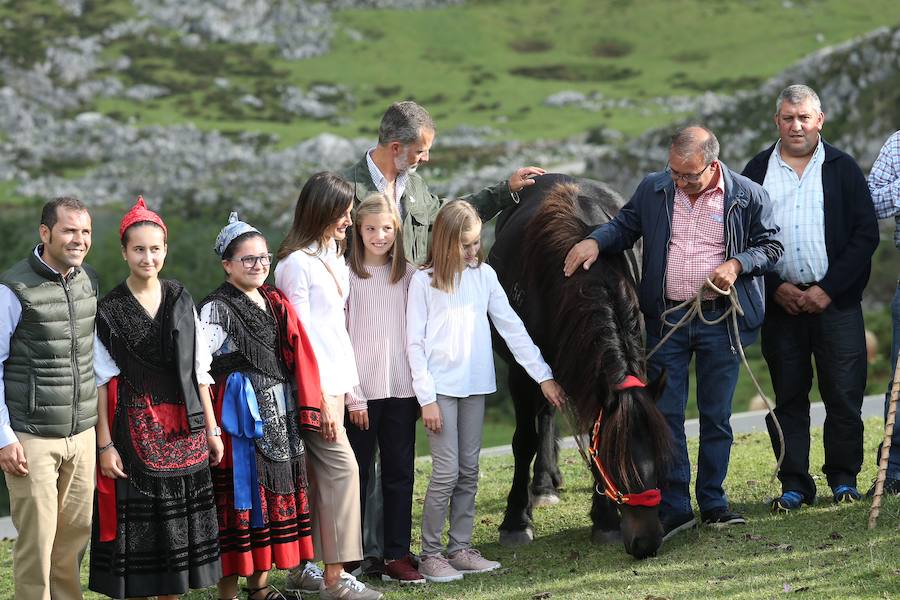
column 48, row 403
column 404, row 141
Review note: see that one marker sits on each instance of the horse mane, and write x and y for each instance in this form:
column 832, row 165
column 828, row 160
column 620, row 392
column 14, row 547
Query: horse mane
column 596, row 330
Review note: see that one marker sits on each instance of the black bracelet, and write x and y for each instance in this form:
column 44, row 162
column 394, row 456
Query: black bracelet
column 104, row 448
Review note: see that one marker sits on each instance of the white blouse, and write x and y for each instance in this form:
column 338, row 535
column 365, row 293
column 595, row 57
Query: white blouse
column 449, row 337
column 312, row 290
column 105, row 367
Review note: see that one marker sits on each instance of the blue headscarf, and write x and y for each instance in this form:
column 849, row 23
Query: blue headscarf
column 234, row 228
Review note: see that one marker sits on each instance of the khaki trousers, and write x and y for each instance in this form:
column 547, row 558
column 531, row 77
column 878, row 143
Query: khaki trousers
column 334, row 486
column 51, row 509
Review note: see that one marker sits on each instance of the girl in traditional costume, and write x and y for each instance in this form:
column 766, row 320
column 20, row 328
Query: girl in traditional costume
column 267, row 390
column 155, row 533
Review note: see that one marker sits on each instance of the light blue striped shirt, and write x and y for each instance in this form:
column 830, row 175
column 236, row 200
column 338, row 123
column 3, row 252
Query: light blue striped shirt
column 798, row 206
column 884, row 183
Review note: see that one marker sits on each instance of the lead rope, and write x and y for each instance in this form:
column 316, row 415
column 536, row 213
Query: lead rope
column 694, row 309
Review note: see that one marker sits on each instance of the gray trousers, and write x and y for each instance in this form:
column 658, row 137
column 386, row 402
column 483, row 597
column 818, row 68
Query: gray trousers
column 454, row 474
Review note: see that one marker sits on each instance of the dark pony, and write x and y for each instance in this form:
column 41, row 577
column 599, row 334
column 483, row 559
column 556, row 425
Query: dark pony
column 588, row 327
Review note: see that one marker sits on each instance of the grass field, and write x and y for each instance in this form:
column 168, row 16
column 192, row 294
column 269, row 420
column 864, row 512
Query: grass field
column 820, row 552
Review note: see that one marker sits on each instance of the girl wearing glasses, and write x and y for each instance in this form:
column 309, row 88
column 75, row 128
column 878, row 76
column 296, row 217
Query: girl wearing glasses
column 266, row 392
column 154, row 532
column 314, row 276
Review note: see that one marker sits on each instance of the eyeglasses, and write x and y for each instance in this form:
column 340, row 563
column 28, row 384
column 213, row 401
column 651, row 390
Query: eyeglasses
column 686, row 177
column 250, row 261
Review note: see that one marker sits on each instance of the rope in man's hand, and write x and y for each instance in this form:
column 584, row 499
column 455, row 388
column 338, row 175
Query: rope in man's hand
column 694, row 308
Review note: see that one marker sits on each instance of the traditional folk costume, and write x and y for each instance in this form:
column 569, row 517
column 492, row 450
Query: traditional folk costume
column 156, row 530
column 266, row 391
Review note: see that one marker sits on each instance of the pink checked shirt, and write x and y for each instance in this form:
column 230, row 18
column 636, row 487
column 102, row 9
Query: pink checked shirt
column 697, row 246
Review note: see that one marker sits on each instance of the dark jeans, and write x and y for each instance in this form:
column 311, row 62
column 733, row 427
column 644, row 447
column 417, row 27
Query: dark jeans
column 836, row 338
column 717, row 365
column 392, row 426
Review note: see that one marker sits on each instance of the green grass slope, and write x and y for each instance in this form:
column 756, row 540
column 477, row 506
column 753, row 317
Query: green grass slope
column 820, row 552
column 487, row 62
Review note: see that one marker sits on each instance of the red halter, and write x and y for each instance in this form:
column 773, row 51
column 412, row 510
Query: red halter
column 651, row 497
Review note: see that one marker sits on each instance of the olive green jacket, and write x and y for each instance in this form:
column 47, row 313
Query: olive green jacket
column 48, row 377
column 420, row 206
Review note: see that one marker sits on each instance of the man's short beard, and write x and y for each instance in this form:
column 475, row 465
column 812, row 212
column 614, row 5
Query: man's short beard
column 402, row 164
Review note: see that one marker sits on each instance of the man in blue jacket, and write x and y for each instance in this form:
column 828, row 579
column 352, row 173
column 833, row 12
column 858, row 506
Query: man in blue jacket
column 822, row 203
column 698, row 220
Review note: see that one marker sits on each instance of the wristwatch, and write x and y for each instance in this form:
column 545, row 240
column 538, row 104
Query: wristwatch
column 214, row 432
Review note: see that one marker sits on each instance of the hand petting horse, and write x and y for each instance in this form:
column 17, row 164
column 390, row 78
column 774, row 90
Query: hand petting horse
column 588, row 327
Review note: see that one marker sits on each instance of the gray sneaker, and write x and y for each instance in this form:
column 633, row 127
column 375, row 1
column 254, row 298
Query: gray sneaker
column 436, row 568
column 470, row 560
column 348, row 588
column 305, row 580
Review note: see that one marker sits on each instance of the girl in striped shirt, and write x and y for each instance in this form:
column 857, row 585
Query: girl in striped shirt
column 382, row 409
column 449, row 344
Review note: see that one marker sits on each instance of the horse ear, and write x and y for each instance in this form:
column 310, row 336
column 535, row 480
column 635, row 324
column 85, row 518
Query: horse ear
column 656, row 386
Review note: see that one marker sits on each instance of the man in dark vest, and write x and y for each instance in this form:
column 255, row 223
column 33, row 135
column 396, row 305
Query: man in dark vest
column 48, row 403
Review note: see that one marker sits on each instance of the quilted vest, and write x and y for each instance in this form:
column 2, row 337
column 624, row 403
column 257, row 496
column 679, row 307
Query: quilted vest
column 49, row 375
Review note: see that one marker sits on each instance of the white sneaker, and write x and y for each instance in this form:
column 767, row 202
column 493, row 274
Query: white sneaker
column 306, row 579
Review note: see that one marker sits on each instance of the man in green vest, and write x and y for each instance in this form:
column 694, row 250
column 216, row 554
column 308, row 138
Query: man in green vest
column 404, row 142
column 48, row 403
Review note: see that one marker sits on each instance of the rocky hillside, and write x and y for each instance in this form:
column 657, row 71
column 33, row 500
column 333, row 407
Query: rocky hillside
column 68, row 103
column 858, row 83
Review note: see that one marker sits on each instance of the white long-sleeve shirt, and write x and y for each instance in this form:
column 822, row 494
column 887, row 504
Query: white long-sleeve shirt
column 313, row 292
column 449, row 337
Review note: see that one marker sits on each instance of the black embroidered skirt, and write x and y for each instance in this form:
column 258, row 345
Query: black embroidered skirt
column 163, row 545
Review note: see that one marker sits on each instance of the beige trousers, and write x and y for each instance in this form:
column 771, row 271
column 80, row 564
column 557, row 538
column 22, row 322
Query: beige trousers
column 51, row 509
column 334, row 487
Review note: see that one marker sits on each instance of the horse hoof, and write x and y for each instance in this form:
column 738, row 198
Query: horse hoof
column 599, row 536
column 517, row 538
column 545, row 500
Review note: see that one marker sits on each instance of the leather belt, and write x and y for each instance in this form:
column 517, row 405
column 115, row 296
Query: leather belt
column 805, row 286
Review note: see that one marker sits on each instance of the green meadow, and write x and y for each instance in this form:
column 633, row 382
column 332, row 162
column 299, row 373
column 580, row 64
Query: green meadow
column 820, row 552
column 485, row 63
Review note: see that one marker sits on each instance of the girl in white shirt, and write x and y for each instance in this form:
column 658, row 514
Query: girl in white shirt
column 313, row 275
column 383, row 408
column 449, row 341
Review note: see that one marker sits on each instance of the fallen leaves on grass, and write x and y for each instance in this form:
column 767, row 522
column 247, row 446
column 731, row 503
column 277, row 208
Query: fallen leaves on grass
column 542, row 596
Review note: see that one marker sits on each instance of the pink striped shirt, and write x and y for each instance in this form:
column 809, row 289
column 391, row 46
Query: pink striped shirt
column 376, row 320
column 697, row 246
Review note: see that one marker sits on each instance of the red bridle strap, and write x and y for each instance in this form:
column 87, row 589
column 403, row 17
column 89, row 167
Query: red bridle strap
column 630, row 381
column 651, row 497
